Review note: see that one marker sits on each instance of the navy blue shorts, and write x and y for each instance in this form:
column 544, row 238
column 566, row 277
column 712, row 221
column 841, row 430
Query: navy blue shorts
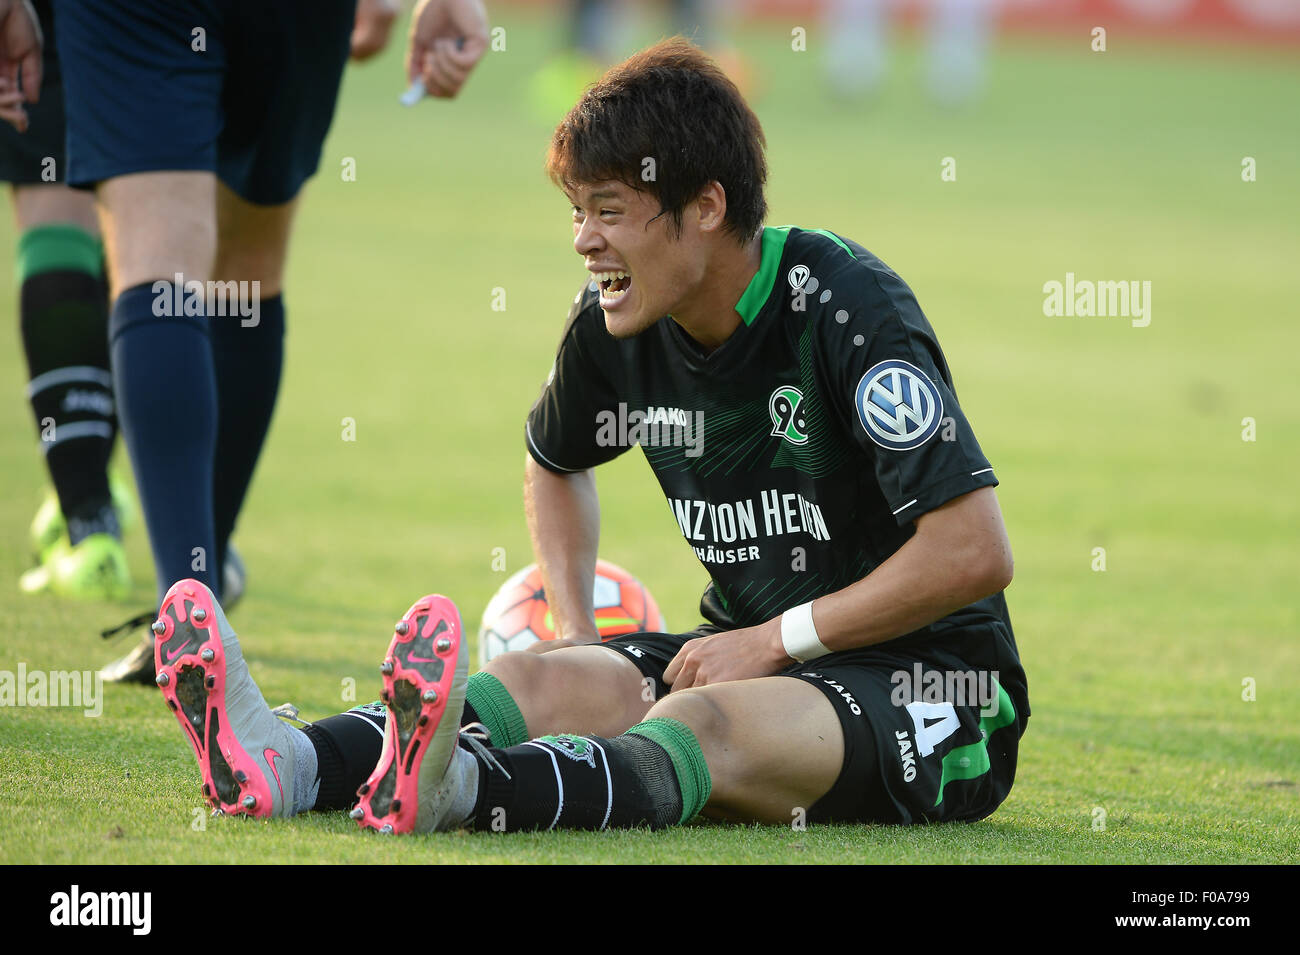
column 927, row 736
column 36, row 156
column 241, row 88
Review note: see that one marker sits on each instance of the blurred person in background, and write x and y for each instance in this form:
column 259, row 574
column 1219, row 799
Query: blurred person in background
column 63, row 322
column 596, row 32
column 958, row 36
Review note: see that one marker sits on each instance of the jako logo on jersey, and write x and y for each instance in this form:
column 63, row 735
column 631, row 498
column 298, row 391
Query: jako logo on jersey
column 898, row 406
column 797, row 277
column 576, row 748
column 655, row 427
column 786, row 407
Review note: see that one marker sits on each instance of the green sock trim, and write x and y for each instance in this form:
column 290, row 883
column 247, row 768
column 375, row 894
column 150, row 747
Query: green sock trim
column 496, row 710
column 58, row 247
column 688, row 760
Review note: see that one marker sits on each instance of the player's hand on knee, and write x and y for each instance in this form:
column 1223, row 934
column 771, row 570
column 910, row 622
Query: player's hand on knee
column 373, row 24
column 448, row 38
column 735, row 655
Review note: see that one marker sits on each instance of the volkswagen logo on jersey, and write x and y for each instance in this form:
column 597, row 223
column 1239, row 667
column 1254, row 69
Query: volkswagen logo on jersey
column 898, row 405
column 786, row 408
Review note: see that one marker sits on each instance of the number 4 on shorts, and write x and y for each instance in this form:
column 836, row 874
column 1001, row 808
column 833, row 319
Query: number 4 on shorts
column 928, row 736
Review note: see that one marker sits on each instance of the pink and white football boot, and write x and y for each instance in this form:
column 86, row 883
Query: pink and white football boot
column 246, row 754
column 425, row 676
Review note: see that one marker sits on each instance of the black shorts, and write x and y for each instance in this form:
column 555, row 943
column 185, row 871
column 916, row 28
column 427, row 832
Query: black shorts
column 241, row 88
column 36, row 156
column 927, row 737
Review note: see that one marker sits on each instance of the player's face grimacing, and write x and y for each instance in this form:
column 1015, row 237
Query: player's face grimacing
column 643, row 271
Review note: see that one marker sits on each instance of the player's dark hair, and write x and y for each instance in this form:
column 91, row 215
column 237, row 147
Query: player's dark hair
column 671, row 104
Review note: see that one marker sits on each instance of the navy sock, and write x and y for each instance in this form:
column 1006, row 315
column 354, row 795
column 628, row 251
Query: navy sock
column 167, row 408
column 248, row 360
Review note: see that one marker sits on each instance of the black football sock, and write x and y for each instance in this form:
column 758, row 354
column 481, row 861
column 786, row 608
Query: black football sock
column 653, row 775
column 469, row 714
column 248, row 356
column 64, row 317
column 167, row 407
column 348, row 747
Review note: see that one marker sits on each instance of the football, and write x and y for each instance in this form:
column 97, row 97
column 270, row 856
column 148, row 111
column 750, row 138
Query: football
column 518, row 615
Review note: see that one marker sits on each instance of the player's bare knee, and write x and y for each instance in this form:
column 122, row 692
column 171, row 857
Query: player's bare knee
column 573, row 689
column 158, row 224
column 264, row 266
column 252, row 241
column 734, row 772
column 36, row 205
column 703, row 713
column 522, row 675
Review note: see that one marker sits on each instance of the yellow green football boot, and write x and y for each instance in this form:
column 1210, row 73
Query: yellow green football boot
column 95, row 569
column 49, row 527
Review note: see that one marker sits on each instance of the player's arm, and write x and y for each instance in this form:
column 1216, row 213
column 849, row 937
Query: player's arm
column 564, row 444
column 564, row 523
column 20, row 61
column 958, row 555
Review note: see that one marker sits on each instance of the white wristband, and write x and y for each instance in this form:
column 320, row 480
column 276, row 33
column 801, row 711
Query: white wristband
column 799, row 636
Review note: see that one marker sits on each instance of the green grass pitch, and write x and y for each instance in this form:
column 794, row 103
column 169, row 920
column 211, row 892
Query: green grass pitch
column 1125, row 165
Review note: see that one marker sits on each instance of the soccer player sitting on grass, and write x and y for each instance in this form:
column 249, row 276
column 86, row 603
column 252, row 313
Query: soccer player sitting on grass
column 831, row 486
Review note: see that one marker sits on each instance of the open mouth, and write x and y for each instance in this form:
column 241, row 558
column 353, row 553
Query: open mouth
column 613, row 285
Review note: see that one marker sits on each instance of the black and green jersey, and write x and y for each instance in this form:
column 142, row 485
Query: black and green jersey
column 796, row 456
